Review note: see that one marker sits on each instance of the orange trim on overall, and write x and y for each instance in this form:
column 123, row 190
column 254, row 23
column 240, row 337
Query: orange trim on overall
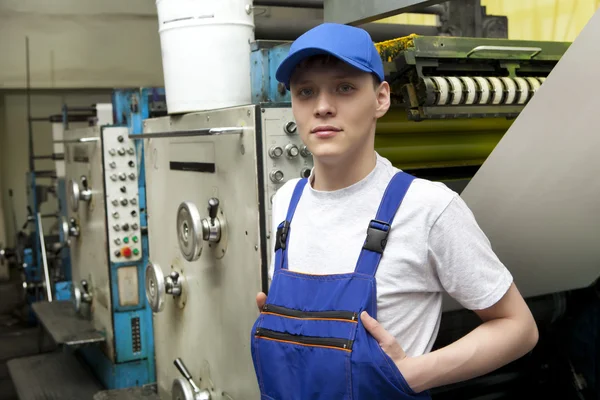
column 302, row 344
column 310, row 319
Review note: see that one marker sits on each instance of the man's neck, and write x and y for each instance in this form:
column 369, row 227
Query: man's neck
column 343, row 173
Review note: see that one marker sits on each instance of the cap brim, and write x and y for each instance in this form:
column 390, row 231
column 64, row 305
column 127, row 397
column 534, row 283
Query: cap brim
column 287, row 66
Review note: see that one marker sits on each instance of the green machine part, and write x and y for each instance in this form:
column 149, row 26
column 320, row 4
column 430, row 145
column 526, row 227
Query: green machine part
column 437, row 77
column 436, row 143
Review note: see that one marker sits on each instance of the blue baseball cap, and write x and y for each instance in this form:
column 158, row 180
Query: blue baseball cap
column 348, row 43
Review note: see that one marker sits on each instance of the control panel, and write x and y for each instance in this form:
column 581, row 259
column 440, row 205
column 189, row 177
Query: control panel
column 122, row 198
column 285, row 155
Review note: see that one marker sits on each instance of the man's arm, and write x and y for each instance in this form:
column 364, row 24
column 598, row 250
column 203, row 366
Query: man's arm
column 470, row 271
column 507, row 333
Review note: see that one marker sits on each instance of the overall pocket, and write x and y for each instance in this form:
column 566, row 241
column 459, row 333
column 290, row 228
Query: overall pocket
column 304, row 355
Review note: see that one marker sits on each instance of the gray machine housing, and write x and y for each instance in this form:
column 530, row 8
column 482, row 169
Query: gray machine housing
column 207, row 320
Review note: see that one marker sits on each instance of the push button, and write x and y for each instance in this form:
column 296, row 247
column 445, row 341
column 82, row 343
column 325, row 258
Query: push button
column 126, row 251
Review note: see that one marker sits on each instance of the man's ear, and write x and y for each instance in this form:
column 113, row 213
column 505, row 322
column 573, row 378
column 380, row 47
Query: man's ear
column 382, row 95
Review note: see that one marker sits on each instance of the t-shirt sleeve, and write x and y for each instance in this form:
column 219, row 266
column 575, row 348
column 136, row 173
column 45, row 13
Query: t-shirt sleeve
column 463, row 258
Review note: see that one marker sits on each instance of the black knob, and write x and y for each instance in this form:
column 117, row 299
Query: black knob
column 123, row 189
column 125, row 227
column 213, row 208
column 182, row 369
column 131, row 164
column 120, row 138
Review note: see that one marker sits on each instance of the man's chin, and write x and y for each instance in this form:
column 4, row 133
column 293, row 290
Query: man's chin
column 328, row 154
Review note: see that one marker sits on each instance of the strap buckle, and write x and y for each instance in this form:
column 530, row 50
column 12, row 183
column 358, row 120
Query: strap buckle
column 377, row 235
column 282, row 233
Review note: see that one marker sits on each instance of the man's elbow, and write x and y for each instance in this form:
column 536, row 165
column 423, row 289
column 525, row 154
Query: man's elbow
column 533, row 336
column 529, row 335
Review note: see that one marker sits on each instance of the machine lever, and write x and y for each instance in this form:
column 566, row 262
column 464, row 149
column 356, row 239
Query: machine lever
column 186, row 374
column 213, row 209
column 534, row 50
column 44, row 259
column 192, row 132
column 81, row 140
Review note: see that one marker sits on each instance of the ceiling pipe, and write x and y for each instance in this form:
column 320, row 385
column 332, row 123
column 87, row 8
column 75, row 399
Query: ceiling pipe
column 437, row 9
column 288, row 30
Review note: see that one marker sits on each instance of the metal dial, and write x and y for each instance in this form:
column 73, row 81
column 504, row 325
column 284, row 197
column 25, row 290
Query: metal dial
column 64, row 232
column 155, row 287
column 77, row 298
column 73, row 188
column 189, row 231
column 182, row 390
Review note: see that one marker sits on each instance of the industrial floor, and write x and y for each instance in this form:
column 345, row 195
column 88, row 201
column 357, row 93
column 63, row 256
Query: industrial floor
column 18, row 338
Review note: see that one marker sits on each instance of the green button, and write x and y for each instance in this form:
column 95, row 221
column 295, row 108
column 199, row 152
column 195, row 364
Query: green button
column 135, row 239
column 136, row 252
column 126, row 240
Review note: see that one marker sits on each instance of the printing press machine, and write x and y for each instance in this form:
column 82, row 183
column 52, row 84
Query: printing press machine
column 211, row 174
column 104, row 327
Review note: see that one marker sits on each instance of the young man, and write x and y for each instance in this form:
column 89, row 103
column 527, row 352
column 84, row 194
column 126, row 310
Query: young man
column 363, row 252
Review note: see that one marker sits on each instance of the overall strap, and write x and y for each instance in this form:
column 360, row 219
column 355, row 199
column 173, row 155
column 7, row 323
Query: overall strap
column 283, row 229
column 379, row 228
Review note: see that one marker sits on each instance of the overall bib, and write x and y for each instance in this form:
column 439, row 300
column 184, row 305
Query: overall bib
column 309, row 341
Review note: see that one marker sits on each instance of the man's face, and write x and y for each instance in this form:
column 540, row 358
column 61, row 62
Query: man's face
column 336, row 108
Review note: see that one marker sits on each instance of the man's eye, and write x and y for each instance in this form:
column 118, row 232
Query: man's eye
column 305, row 92
column 345, row 88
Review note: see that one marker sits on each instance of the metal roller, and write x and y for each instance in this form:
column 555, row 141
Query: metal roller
column 497, row 89
column 430, row 91
column 523, row 90
column 470, row 89
column 534, row 84
column 456, row 90
column 443, row 88
column 511, row 90
column 484, row 89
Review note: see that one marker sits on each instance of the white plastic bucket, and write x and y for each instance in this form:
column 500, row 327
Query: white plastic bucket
column 205, row 48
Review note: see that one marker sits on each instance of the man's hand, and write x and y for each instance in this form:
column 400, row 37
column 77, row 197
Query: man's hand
column 388, row 343
column 261, row 299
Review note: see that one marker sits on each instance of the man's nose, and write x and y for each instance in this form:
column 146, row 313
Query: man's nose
column 325, row 105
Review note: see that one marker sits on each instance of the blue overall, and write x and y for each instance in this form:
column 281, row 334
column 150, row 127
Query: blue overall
column 309, row 341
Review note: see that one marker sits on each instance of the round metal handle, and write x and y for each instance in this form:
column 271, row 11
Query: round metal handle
column 73, row 189
column 189, row 231
column 155, row 287
column 64, row 232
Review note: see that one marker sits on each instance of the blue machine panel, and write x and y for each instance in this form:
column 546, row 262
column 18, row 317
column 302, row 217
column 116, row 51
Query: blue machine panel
column 132, row 317
column 264, row 60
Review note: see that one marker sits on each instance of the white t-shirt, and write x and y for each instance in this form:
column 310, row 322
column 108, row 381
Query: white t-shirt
column 435, row 245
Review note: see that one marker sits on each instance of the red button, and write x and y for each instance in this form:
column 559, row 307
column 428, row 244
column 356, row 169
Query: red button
column 126, row 251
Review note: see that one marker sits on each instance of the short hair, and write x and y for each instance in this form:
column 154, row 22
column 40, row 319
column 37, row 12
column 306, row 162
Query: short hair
column 328, row 59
